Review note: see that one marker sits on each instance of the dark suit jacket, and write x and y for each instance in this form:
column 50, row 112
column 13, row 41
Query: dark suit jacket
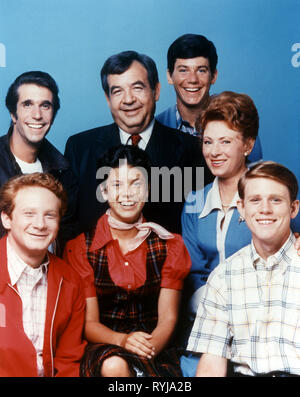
column 166, row 147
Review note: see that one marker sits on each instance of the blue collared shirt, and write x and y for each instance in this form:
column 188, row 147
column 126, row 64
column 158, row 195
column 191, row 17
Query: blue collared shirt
column 185, row 126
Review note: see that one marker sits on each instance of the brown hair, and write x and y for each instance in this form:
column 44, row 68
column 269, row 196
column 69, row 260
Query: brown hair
column 236, row 110
column 270, row 170
column 9, row 190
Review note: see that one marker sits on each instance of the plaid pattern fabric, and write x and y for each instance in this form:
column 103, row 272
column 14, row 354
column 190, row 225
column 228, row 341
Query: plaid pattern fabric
column 129, row 311
column 166, row 364
column 249, row 312
column 184, row 126
column 32, row 287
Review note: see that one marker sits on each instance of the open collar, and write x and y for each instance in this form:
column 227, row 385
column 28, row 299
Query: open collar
column 102, row 234
column 282, row 258
column 213, row 200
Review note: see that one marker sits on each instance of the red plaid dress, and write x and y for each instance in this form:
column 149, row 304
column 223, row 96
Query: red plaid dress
column 129, row 310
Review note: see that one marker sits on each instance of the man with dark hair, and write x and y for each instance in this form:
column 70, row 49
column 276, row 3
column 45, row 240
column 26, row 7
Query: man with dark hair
column 32, row 101
column 192, row 69
column 131, row 86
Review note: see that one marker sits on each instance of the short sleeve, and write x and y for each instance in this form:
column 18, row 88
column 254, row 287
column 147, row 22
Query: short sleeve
column 177, row 264
column 211, row 332
column 75, row 255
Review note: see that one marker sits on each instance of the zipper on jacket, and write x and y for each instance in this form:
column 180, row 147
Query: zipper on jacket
column 52, row 323
column 15, row 290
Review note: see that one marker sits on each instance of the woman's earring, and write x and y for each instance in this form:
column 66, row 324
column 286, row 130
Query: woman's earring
column 241, row 219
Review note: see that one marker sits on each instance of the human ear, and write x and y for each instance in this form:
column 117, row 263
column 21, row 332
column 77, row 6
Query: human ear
column 6, row 220
column 157, row 91
column 294, row 209
column 248, row 146
column 169, row 77
column 108, row 100
column 214, row 77
column 104, row 190
column 13, row 118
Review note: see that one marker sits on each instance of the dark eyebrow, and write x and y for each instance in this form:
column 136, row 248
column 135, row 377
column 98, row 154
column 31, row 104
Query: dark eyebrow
column 139, row 82
column 113, row 87
column 42, row 103
column 47, row 103
column 26, row 101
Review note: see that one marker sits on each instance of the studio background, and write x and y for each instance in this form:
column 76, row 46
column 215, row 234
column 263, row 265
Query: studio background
column 258, row 44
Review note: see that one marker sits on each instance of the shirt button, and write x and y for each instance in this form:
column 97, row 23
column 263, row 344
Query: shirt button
column 126, row 263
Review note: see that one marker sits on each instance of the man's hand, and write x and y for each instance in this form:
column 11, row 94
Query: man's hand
column 139, row 343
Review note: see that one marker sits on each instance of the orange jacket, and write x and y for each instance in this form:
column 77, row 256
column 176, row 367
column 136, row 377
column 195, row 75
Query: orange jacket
column 63, row 342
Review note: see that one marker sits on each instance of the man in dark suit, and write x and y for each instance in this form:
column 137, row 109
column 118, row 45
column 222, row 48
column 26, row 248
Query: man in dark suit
column 131, row 86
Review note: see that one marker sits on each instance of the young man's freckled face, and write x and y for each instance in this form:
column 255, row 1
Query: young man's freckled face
column 34, row 222
column 268, row 210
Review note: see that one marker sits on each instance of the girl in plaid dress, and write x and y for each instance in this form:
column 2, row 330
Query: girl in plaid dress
column 133, row 273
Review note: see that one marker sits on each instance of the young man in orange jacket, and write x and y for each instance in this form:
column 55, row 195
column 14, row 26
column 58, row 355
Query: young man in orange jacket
column 42, row 305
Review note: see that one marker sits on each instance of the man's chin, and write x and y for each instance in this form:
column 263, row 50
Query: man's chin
column 200, row 103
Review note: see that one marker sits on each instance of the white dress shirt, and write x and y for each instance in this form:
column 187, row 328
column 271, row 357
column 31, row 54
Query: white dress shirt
column 145, row 136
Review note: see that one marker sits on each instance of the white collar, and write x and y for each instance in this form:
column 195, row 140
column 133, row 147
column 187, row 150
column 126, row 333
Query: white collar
column 16, row 266
column 213, row 200
column 283, row 257
column 145, row 135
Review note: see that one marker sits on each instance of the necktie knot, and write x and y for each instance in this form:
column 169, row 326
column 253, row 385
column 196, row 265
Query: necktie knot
column 135, row 139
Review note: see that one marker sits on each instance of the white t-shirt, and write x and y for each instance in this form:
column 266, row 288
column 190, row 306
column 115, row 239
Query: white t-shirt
column 29, row 168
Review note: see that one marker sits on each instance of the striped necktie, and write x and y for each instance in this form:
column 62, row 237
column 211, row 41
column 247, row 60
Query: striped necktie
column 135, row 139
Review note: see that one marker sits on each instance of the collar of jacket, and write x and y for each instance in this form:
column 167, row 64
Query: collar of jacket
column 50, row 157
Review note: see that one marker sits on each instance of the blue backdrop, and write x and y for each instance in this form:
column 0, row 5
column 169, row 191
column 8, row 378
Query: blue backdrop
column 258, row 44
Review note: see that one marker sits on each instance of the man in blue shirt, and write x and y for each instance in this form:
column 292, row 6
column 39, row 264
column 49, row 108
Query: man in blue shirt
column 192, row 69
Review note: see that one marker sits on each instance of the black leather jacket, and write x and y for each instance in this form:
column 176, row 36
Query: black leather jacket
column 54, row 163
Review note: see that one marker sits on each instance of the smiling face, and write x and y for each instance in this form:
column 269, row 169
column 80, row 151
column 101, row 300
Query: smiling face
column 34, row 114
column 191, row 79
column 126, row 192
column 131, row 99
column 33, row 224
column 224, row 150
column 268, row 210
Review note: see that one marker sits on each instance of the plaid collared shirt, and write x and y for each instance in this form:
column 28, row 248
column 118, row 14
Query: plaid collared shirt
column 31, row 284
column 185, row 126
column 249, row 312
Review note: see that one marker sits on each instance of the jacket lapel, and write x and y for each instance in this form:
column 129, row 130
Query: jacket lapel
column 164, row 147
column 54, row 280
column 108, row 136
